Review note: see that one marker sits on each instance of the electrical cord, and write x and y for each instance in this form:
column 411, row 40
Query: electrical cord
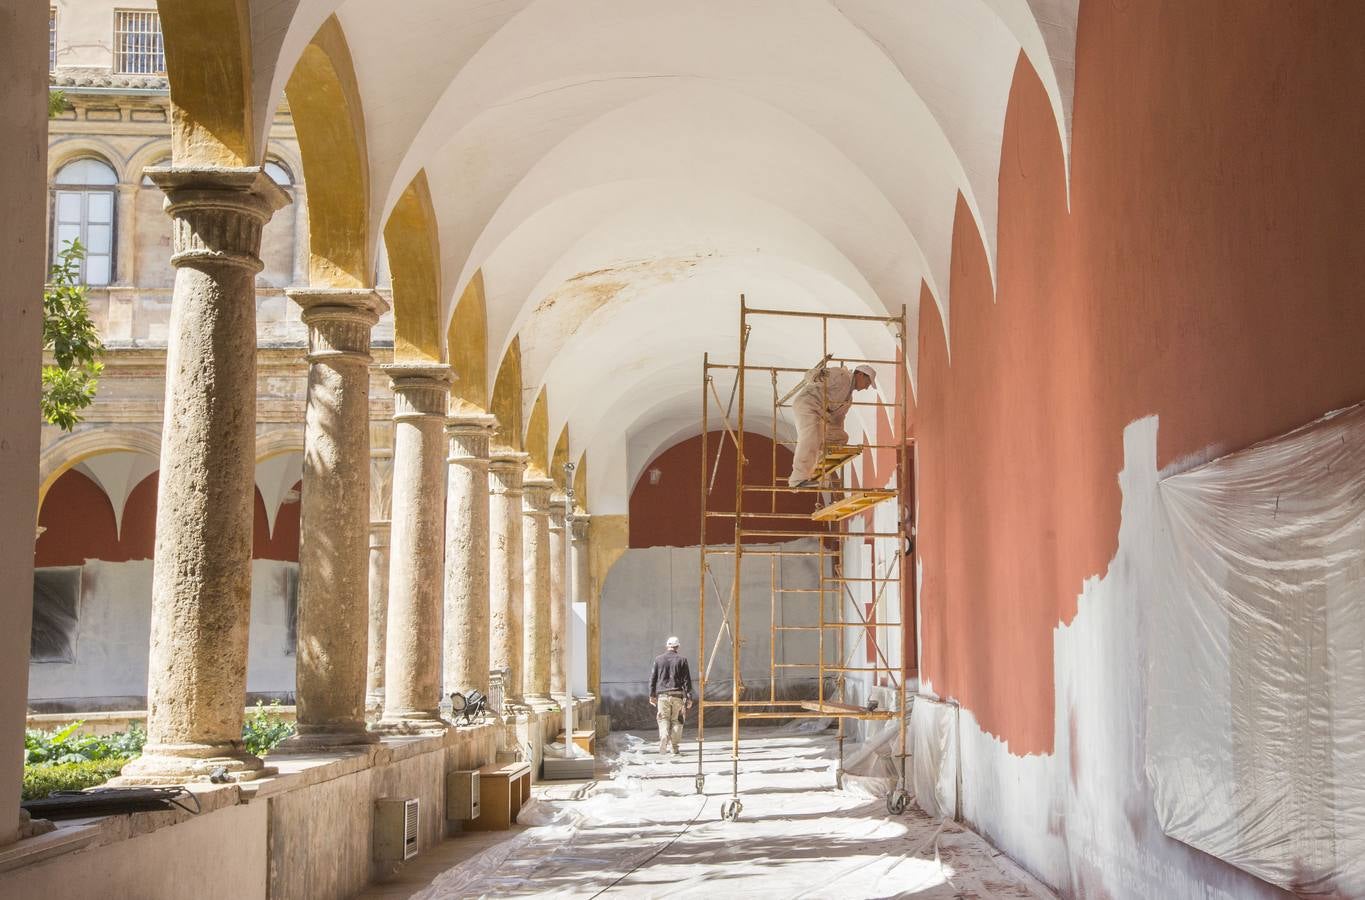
column 639, row 865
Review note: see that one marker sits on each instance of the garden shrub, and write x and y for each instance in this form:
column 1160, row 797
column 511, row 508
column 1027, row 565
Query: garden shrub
column 41, row 780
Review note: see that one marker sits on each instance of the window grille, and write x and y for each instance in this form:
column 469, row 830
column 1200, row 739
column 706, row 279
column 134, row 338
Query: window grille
column 52, row 38
column 138, row 48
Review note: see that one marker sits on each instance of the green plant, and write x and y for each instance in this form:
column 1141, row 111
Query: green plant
column 69, row 335
column 42, row 780
column 65, row 746
column 264, row 728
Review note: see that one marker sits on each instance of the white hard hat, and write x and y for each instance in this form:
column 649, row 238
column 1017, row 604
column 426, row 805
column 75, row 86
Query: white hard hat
column 870, row 372
column 672, row 642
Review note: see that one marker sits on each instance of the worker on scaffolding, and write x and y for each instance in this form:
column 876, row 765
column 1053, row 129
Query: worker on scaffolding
column 820, row 407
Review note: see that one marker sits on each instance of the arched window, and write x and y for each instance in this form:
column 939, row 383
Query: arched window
column 83, row 209
column 278, row 173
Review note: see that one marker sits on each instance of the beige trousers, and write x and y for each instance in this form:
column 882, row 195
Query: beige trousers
column 669, row 714
column 814, row 429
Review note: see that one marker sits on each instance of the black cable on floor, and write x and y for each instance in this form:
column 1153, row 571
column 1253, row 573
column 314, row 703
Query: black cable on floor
column 639, row 865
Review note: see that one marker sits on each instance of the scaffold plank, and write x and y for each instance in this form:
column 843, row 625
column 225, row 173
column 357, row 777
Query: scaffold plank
column 854, row 503
column 835, row 456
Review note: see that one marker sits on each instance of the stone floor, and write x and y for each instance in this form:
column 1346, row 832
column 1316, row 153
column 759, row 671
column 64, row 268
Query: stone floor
column 641, row 830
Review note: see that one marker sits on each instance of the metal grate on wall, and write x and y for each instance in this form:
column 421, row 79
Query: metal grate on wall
column 138, row 47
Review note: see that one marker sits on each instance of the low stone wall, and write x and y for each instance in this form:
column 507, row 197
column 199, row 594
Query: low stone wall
column 304, row 833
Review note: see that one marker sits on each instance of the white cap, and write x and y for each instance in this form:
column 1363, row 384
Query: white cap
column 870, row 372
column 672, row 642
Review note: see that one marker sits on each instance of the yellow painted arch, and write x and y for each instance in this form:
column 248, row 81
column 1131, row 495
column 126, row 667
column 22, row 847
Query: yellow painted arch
column 538, row 435
column 506, row 402
column 414, row 264
column 467, row 348
column 324, row 99
column 208, row 63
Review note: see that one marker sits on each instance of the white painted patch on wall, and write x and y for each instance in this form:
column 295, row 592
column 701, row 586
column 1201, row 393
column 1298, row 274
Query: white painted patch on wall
column 1082, row 818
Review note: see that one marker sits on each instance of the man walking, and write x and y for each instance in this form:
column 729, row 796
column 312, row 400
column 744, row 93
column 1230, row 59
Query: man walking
column 670, row 692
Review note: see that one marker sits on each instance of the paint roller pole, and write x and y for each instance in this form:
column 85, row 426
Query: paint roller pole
column 570, row 586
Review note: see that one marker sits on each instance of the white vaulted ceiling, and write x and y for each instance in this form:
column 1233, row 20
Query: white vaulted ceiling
column 621, row 170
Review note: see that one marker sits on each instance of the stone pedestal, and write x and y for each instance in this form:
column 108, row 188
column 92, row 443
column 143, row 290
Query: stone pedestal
column 412, row 642
column 201, row 583
column 333, row 611
column 505, row 589
column 581, row 577
column 465, row 661
column 381, row 480
column 536, row 573
column 559, row 599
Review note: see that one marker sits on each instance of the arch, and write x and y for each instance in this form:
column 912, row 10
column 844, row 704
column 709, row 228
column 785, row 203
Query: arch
column 506, row 402
column 538, row 434
column 74, row 447
column 467, row 347
column 414, row 261
column 153, row 153
column 277, row 441
column 324, row 100
column 66, row 151
column 208, row 65
column 558, row 458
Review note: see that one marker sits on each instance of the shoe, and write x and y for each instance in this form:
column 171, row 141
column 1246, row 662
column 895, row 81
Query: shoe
column 809, row 482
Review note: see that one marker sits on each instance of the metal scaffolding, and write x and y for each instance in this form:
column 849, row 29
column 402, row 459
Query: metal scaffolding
column 760, row 518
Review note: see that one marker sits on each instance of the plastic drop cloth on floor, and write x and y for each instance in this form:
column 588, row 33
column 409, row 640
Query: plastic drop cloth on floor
column 1256, row 715
column 645, row 832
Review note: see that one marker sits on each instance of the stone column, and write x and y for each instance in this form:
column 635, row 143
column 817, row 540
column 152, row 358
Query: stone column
column 582, row 581
column 559, row 588
column 412, row 647
column 381, row 479
column 535, row 567
column 466, row 656
column 333, row 616
column 201, row 582
column 505, row 589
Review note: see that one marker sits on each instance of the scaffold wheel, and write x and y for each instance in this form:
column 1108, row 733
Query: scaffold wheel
column 731, row 809
column 701, row 784
column 896, row 801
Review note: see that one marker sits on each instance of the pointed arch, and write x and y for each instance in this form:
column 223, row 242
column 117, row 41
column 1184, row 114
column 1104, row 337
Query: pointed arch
column 414, row 261
column 558, row 458
column 208, row 64
column 467, row 347
column 506, row 403
column 538, row 434
column 324, row 100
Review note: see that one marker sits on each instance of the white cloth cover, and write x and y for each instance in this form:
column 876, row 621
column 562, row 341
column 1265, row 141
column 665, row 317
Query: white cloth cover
column 1256, row 717
column 820, row 410
column 933, row 728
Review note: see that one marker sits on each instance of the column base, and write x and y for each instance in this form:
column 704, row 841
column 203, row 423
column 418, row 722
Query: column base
column 322, row 739
column 413, row 723
column 540, row 703
column 181, row 763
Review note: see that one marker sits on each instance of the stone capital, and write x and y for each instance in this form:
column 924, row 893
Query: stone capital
column 536, row 496
column 557, row 513
column 505, row 471
column 217, row 213
column 470, row 436
column 578, row 528
column 339, row 321
column 420, row 390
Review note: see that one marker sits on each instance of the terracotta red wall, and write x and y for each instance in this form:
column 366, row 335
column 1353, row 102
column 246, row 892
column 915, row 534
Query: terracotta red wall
column 1208, row 272
column 668, row 514
column 79, row 524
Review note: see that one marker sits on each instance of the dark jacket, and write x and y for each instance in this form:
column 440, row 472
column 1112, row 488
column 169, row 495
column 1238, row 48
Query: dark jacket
column 670, row 675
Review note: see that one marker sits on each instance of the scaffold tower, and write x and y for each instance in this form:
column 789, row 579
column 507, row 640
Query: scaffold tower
column 842, row 624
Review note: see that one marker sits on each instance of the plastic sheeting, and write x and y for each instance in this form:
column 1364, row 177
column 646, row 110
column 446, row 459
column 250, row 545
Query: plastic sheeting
column 1256, row 718
column 647, row 833
column 933, row 727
